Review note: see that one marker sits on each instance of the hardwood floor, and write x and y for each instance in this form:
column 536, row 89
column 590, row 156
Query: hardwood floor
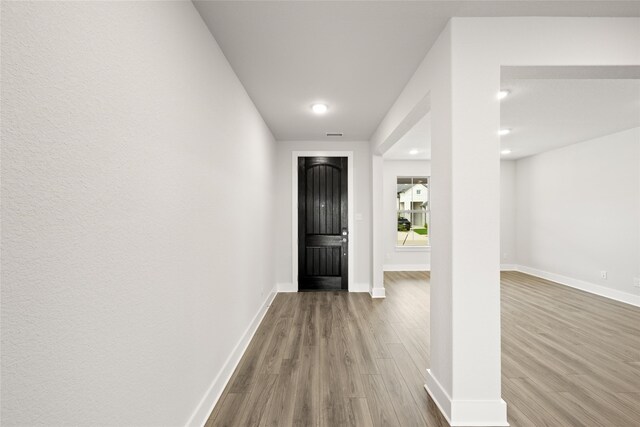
column 569, row 358
column 338, row 359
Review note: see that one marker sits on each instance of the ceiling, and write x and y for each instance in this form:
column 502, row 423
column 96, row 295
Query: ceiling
column 354, row 56
column 418, row 138
column 544, row 114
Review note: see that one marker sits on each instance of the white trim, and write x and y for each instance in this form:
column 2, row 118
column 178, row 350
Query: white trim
column 294, row 210
column 427, row 267
column 439, row 395
column 582, row 285
column 377, row 293
column 413, row 248
column 479, row 413
column 407, row 267
column 377, row 225
column 213, row 393
column 287, row 287
column 466, row 412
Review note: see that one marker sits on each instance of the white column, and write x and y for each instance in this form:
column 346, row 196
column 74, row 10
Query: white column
column 377, row 273
column 464, row 377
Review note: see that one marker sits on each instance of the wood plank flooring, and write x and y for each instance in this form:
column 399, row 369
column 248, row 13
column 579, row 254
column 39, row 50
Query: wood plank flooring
column 569, row 358
column 338, row 359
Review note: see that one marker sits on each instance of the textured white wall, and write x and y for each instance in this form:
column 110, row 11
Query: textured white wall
column 127, row 278
column 578, row 211
column 362, row 205
column 395, row 258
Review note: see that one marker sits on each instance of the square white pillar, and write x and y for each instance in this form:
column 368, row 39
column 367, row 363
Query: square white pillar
column 377, row 227
column 464, row 378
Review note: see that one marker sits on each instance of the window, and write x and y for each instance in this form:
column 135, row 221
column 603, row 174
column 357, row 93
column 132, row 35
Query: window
column 412, row 204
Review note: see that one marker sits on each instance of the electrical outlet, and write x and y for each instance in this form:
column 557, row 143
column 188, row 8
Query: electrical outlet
column 636, row 282
column 603, row 274
column 505, row 255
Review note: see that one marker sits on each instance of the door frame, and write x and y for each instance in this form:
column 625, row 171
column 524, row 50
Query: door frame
column 294, row 210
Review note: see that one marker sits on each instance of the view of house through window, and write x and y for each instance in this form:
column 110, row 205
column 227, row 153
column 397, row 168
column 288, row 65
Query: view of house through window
column 412, row 201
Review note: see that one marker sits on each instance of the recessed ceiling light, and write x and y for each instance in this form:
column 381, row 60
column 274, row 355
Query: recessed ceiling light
column 319, row 108
column 503, row 132
column 503, row 94
column 505, row 152
column 413, row 152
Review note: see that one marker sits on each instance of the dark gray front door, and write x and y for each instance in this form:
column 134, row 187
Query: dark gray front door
column 322, row 224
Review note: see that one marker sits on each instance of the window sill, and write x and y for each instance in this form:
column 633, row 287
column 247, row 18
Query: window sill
column 413, row 248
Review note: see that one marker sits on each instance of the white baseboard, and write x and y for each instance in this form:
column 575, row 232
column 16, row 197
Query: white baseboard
column 582, row 285
column 209, row 400
column 439, row 395
column 377, row 293
column 290, row 287
column 466, row 412
column 427, row 267
column 406, row 267
column 287, row 287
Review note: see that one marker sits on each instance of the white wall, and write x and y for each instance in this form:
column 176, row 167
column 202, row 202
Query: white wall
column 127, row 279
column 361, row 236
column 508, row 249
column 400, row 259
column 578, row 211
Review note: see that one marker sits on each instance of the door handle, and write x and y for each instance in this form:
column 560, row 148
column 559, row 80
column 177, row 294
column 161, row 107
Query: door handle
column 345, row 233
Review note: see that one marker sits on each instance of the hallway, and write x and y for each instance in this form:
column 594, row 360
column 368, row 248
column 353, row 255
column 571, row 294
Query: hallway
column 569, row 358
column 336, row 359
column 175, row 172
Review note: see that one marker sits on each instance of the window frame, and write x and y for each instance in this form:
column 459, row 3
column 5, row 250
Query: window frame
column 427, row 212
